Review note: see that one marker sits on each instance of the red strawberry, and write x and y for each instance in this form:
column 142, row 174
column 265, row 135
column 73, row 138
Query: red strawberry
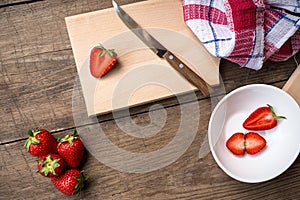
column 40, row 143
column 71, row 149
column 251, row 142
column 101, row 60
column 51, row 165
column 71, row 182
column 254, row 143
column 263, row 118
column 236, row 144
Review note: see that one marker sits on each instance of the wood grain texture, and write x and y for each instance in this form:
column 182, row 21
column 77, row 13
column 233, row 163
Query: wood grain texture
column 37, row 66
column 37, row 63
column 187, row 178
column 49, row 86
column 38, row 73
column 9, row 3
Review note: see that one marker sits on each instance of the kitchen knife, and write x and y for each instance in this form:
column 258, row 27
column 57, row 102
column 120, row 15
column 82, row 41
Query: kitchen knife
column 162, row 52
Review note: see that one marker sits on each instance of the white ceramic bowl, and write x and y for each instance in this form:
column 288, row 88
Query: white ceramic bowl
column 283, row 141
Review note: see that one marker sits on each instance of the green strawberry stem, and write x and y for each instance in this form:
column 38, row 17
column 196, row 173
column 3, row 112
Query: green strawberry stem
column 32, row 139
column 110, row 52
column 48, row 165
column 81, row 179
column 274, row 114
column 69, row 138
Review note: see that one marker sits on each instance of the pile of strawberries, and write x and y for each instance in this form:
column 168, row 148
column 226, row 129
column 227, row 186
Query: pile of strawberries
column 59, row 159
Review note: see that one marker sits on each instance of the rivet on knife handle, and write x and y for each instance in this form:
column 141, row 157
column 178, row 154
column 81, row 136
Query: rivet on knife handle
column 187, row 73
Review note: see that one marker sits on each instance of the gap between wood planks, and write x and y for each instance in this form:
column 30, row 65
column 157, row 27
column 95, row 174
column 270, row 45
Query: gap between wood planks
column 19, row 3
column 109, row 116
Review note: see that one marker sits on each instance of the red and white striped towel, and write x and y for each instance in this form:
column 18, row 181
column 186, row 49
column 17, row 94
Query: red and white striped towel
column 247, row 32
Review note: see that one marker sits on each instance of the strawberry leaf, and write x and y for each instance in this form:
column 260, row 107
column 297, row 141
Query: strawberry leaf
column 32, row 139
column 103, row 52
column 69, row 138
column 30, row 133
column 110, row 53
column 49, row 165
column 75, row 134
column 274, row 114
column 80, row 179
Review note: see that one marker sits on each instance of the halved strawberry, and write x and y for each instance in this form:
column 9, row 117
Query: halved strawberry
column 254, row 143
column 101, row 60
column 250, row 142
column 263, row 118
column 236, row 144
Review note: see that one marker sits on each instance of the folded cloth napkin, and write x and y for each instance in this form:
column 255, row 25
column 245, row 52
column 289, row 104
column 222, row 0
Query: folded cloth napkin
column 247, row 32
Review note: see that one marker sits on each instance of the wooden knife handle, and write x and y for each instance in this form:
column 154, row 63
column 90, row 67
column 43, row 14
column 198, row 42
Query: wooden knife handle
column 187, row 73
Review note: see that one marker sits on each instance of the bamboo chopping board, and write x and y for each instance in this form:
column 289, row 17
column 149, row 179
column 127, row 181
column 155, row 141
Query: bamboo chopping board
column 140, row 76
column 292, row 86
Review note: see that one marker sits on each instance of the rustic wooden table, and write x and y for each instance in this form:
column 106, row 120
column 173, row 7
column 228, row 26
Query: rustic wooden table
column 37, row 79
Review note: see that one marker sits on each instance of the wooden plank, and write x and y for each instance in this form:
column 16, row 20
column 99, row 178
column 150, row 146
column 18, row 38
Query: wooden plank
column 24, row 57
column 166, row 25
column 37, row 28
column 37, row 67
column 6, row 3
column 25, row 101
column 187, row 178
column 36, row 91
column 44, row 54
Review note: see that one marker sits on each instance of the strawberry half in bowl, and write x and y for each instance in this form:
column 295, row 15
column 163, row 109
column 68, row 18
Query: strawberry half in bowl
column 253, row 133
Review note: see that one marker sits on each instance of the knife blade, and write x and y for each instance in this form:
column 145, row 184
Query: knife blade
column 162, row 51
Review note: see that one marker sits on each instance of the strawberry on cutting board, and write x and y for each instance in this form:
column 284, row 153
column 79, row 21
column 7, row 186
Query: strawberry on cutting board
column 250, row 142
column 101, row 60
column 40, row 142
column 51, row 165
column 263, row 118
column 71, row 182
column 71, row 149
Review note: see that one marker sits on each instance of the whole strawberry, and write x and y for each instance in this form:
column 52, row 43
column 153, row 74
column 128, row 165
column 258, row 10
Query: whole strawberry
column 40, row 143
column 71, row 182
column 71, row 149
column 101, row 60
column 51, row 165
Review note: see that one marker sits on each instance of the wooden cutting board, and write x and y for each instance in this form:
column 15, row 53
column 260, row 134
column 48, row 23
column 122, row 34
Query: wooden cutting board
column 140, row 76
column 292, row 86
